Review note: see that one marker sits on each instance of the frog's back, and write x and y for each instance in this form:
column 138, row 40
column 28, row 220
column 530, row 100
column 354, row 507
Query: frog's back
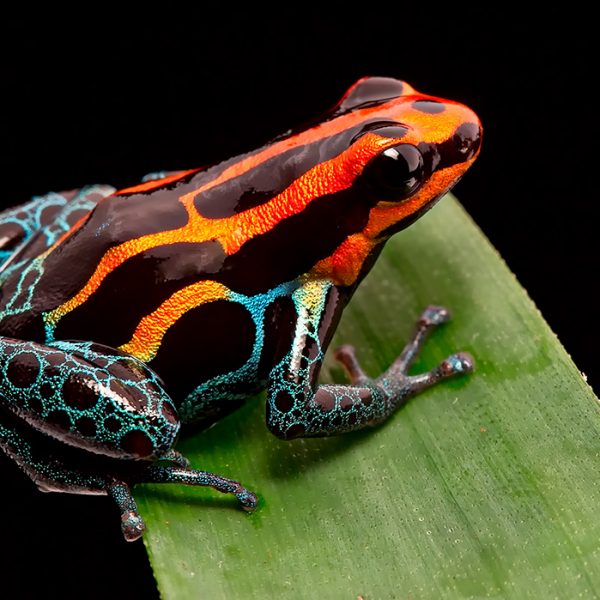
column 192, row 273
column 175, row 269
column 120, row 263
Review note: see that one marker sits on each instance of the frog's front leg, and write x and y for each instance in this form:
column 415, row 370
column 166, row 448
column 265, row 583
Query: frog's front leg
column 297, row 407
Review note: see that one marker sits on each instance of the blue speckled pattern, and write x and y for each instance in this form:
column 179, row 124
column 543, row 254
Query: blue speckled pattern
column 88, row 396
column 298, row 408
column 46, row 218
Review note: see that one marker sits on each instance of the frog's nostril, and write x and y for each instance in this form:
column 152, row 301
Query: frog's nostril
column 467, row 139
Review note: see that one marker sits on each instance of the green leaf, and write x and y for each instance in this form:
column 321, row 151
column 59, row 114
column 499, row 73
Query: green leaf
column 481, row 487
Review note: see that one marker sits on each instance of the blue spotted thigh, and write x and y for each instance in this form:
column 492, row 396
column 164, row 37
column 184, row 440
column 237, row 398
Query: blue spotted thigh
column 89, row 396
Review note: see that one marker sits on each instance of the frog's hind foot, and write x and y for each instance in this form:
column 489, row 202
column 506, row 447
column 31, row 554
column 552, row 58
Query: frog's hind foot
column 161, row 474
column 132, row 524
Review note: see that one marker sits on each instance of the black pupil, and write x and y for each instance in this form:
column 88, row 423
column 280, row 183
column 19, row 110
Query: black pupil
column 396, row 172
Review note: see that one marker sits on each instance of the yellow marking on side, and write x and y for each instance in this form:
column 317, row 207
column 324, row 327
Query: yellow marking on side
column 147, row 337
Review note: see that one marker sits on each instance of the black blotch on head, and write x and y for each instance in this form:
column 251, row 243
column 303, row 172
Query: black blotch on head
column 431, row 107
column 370, row 91
column 467, row 139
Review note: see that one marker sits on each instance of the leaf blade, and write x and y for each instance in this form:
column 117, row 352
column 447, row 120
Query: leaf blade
column 459, row 494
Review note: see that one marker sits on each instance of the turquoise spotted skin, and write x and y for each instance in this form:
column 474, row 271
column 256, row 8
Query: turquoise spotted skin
column 81, row 390
column 127, row 316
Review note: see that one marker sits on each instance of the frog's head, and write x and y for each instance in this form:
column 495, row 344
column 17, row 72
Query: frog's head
column 337, row 189
column 410, row 150
column 402, row 151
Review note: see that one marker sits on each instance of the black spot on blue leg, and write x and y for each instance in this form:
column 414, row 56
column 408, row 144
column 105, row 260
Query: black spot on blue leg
column 86, row 426
column 136, row 443
column 77, row 392
column 295, row 431
column 112, row 424
column 284, row 401
column 23, row 369
column 326, row 402
column 61, row 419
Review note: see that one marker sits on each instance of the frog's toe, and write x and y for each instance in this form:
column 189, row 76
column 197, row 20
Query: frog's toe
column 460, row 363
column 132, row 526
column 434, row 315
column 248, row 500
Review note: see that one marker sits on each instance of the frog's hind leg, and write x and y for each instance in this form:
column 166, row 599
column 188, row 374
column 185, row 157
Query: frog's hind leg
column 175, row 474
column 31, row 228
column 83, row 418
column 38, row 458
column 56, row 468
column 132, row 524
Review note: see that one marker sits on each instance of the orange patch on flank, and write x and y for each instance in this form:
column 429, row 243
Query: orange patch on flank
column 345, row 263
column 147, row 337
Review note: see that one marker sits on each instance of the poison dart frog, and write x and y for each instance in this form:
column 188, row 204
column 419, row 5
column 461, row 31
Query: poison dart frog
column 127, row 314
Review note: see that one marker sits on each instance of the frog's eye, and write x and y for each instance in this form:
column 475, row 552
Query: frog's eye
column 395, row 173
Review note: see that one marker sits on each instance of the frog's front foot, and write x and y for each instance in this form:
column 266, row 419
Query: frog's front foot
column 396, row 380
column 132, row 524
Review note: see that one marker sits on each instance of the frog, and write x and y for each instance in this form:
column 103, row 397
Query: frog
column 129, row 315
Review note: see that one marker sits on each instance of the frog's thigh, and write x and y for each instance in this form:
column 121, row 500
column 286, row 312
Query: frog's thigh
column 89, row 396
column 38, row 456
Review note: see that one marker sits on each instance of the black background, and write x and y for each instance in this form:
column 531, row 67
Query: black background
column 110, row 98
